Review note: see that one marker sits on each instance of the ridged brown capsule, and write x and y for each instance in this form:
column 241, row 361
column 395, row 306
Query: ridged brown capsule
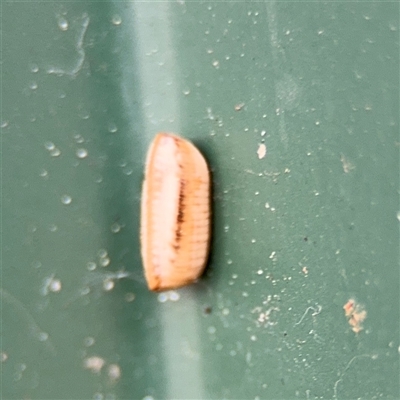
column 175, row 213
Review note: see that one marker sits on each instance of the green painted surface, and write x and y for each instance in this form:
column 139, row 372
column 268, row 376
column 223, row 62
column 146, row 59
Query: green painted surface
column 296, row 234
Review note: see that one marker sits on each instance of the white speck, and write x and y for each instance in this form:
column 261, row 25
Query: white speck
column 263, row 133
column 260, row 272
column 102, row 253
column 253, row 338
column 34, row 68
column 4, row 124
column 320, row 32
column 114, row 372
column 116, row 20
column 112, row 127
column 104, row 262
column 43, row 173
column 162, row 297
column 50, row 284
column 317, row 123
column 211, row 330
column 239, row 106
column 115, row 227
column 186, row 92
column 398, row 215
column 253, row 240
column 91, row 266
column 53, row 228
column 174, row 296
column 21, row 367
column 81, row 153
column 55, row 153
column 215, row 64
column 108, row 284
column 65, row 199
column 55, row 285
column 272, row 255
column 49, row 146
column 33, row 85
column 85, row 291
column 262, row 151
column 94, row 364
column 129, row 297
column 79, row 138
column 62, row 24
column 43, row 336
column 89, row 341
column 267, row 205
column 229, row 261
column 4, row 356
column 226, row 228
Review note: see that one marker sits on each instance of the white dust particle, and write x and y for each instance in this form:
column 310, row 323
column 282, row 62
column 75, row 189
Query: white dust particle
column 108, row 284
column 65, row 199
column 89, row 341
column 116, row 20
column 63, row 24
column 114, row 372
column 129, row 297
column 55, row 285
column 262, row 151
column 81, row 153
column 93, row 364
column 347, row 166
column 239, row 106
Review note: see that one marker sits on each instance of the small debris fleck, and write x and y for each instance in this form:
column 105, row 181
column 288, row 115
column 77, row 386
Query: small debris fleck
column 347, row 166
column 239, row 106
column 355, row 315
column 207, row 310
column 114, row 372
column 94, row 364
column 262, row 151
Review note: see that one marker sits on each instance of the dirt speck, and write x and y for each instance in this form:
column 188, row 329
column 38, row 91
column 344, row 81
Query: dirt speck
column 239, row 106
column 355, row 314
column 262, row 151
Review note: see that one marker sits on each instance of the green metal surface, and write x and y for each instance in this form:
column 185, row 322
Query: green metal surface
column 297, row 232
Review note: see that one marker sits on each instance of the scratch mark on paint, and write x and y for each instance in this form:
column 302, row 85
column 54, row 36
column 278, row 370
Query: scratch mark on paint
column 80, row 50
column 316, row 310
